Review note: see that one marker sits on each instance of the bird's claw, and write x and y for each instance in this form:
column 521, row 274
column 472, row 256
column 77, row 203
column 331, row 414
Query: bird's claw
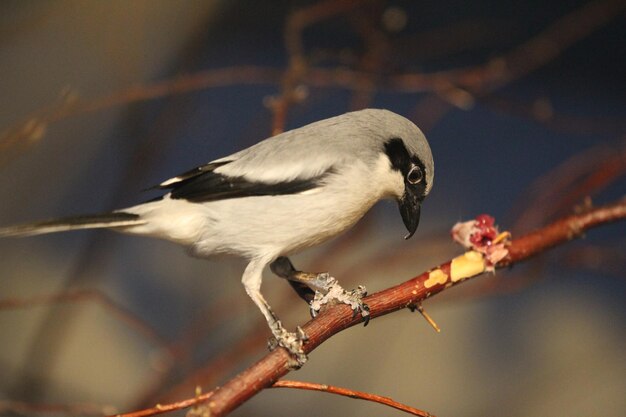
column 334, row 292
column 360, row 307
column 292, row 342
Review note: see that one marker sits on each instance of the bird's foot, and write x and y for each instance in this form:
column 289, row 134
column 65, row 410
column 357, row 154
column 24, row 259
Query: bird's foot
column 334, row 292
column 293, row 342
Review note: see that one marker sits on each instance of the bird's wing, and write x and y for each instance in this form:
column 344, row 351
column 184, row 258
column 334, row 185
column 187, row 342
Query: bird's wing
column 192, row 173
column 208, row 183
column 292, row 162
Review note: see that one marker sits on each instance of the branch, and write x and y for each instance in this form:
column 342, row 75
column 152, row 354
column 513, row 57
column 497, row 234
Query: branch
column 178, row 405
column 334, row 319
column 562, row 231
column 352, row 394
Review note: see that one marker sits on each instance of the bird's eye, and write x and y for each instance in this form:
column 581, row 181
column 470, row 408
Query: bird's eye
column 415, row 175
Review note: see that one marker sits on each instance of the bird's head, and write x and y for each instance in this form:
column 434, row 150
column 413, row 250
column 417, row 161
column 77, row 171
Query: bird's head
column 395, row 152
column 410, row 163
column 417, row 177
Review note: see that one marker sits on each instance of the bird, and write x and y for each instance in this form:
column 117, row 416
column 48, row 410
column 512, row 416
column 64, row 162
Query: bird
column 289, row 192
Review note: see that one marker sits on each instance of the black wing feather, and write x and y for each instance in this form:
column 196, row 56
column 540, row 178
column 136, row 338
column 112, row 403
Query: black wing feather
column 207, row 186
column 188, row 175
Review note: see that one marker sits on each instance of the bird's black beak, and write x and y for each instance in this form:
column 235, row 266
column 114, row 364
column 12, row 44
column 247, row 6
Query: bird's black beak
column 410, row 208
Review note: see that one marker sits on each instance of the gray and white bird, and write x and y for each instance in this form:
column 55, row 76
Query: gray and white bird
column 284, row 194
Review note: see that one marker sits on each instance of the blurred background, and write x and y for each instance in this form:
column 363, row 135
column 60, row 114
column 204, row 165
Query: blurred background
column 524, row 105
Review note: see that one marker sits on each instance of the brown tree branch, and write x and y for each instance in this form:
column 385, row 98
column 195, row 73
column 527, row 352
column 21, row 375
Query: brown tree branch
column 562, row 231
column 332, row 320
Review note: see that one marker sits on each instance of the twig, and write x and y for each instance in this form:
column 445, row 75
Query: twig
column 298, row 65
column 561, row 231
column 165, row 408
column 334, row 319
column 352, row 394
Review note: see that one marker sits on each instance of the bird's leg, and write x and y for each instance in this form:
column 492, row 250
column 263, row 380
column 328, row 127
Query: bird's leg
column 325, row 287
column 281, row 337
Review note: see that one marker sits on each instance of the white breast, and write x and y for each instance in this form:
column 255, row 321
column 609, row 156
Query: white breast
column 272, row 225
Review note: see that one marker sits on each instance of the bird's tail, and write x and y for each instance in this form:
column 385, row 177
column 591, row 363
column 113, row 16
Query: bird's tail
column 97, row 221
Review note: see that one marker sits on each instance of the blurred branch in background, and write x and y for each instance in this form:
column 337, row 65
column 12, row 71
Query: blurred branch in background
column 372, row 69
column 456, row 87
column 90, row 296
column 8, row 407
